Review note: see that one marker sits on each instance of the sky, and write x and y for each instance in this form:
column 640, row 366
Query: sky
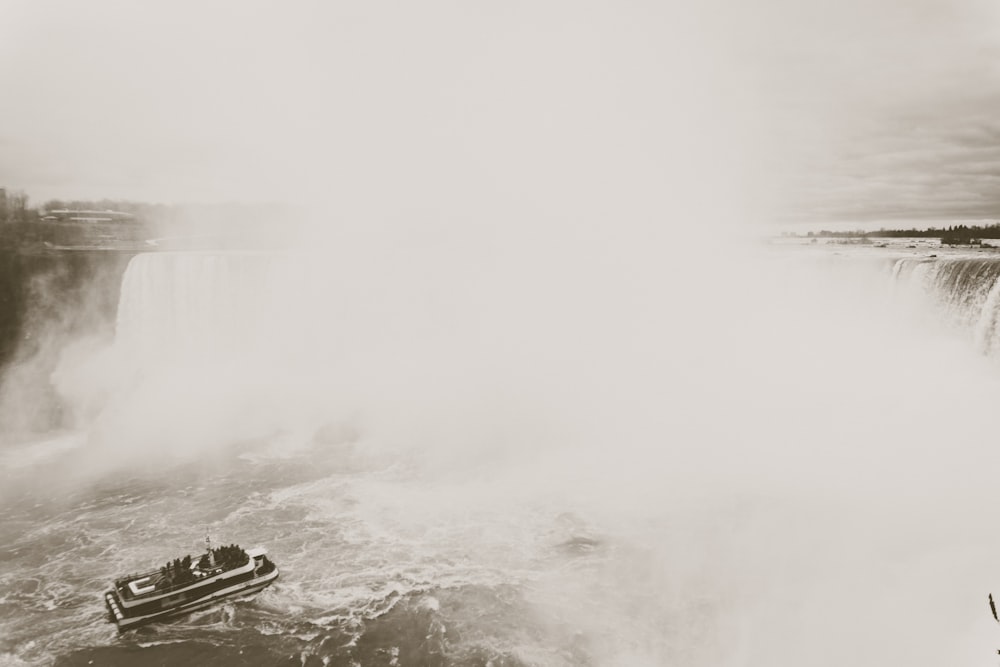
column 443, row 110
column 895, row 102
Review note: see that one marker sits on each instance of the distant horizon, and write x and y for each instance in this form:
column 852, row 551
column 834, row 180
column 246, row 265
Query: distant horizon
column 591, row 112
column 775, row 226
column 39, row 202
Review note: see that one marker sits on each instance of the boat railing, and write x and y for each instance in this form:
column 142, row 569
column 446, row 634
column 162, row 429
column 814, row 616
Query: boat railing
column 122, row 584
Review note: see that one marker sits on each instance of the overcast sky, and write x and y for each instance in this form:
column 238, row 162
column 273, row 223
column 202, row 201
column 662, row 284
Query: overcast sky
column 806, row 110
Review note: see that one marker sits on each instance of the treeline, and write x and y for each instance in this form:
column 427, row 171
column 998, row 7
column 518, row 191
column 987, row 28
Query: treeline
column 18, row 210
column 140, row 211
column 14, row 207
column 130, row 224
column 232, row 214
column 27, row 228
column 954, row 233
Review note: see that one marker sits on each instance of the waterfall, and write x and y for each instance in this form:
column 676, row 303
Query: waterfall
column 193, row 306
column 212, row 347
column 986, row 326
column 967, row 290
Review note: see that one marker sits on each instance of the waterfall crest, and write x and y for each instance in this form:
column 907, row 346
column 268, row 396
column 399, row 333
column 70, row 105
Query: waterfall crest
column 966, row 289
column 194, row 306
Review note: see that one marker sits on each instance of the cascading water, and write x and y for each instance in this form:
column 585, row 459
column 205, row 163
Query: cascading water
column 660, row 472
column 192, row 306
column 967, row 289
column 214, row 348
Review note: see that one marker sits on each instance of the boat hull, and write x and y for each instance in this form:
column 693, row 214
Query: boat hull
column 126, row 621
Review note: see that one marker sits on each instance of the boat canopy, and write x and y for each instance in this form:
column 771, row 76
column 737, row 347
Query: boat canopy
column 138, row 588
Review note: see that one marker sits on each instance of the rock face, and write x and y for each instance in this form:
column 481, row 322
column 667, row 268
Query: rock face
column 47, row 298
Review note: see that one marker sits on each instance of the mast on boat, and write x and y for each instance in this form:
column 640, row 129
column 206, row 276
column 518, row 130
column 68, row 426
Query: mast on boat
column 208, row 547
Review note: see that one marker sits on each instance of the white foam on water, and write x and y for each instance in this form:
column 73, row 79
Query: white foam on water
column 40, row 452
column 732, row 457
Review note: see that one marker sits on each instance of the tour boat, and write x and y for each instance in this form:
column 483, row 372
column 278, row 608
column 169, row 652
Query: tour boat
column 183, row 586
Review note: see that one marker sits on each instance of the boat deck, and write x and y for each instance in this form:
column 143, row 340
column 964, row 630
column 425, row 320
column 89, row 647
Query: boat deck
column 156, row 583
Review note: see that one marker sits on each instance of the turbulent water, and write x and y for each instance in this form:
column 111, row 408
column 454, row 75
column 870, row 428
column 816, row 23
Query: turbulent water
column 363, row 580
column 720, row 480
column 967, row 288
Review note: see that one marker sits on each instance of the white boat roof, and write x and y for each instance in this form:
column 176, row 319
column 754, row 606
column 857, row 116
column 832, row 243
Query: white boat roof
column 256, row 551
column 138, row 588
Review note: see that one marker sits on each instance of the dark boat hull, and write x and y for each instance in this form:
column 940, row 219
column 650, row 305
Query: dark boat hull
column 126, row 621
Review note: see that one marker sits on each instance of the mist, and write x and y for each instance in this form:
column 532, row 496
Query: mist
column 517, row 327
column 773, row 441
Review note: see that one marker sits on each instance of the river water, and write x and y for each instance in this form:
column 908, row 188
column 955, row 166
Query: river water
column 779, row 461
